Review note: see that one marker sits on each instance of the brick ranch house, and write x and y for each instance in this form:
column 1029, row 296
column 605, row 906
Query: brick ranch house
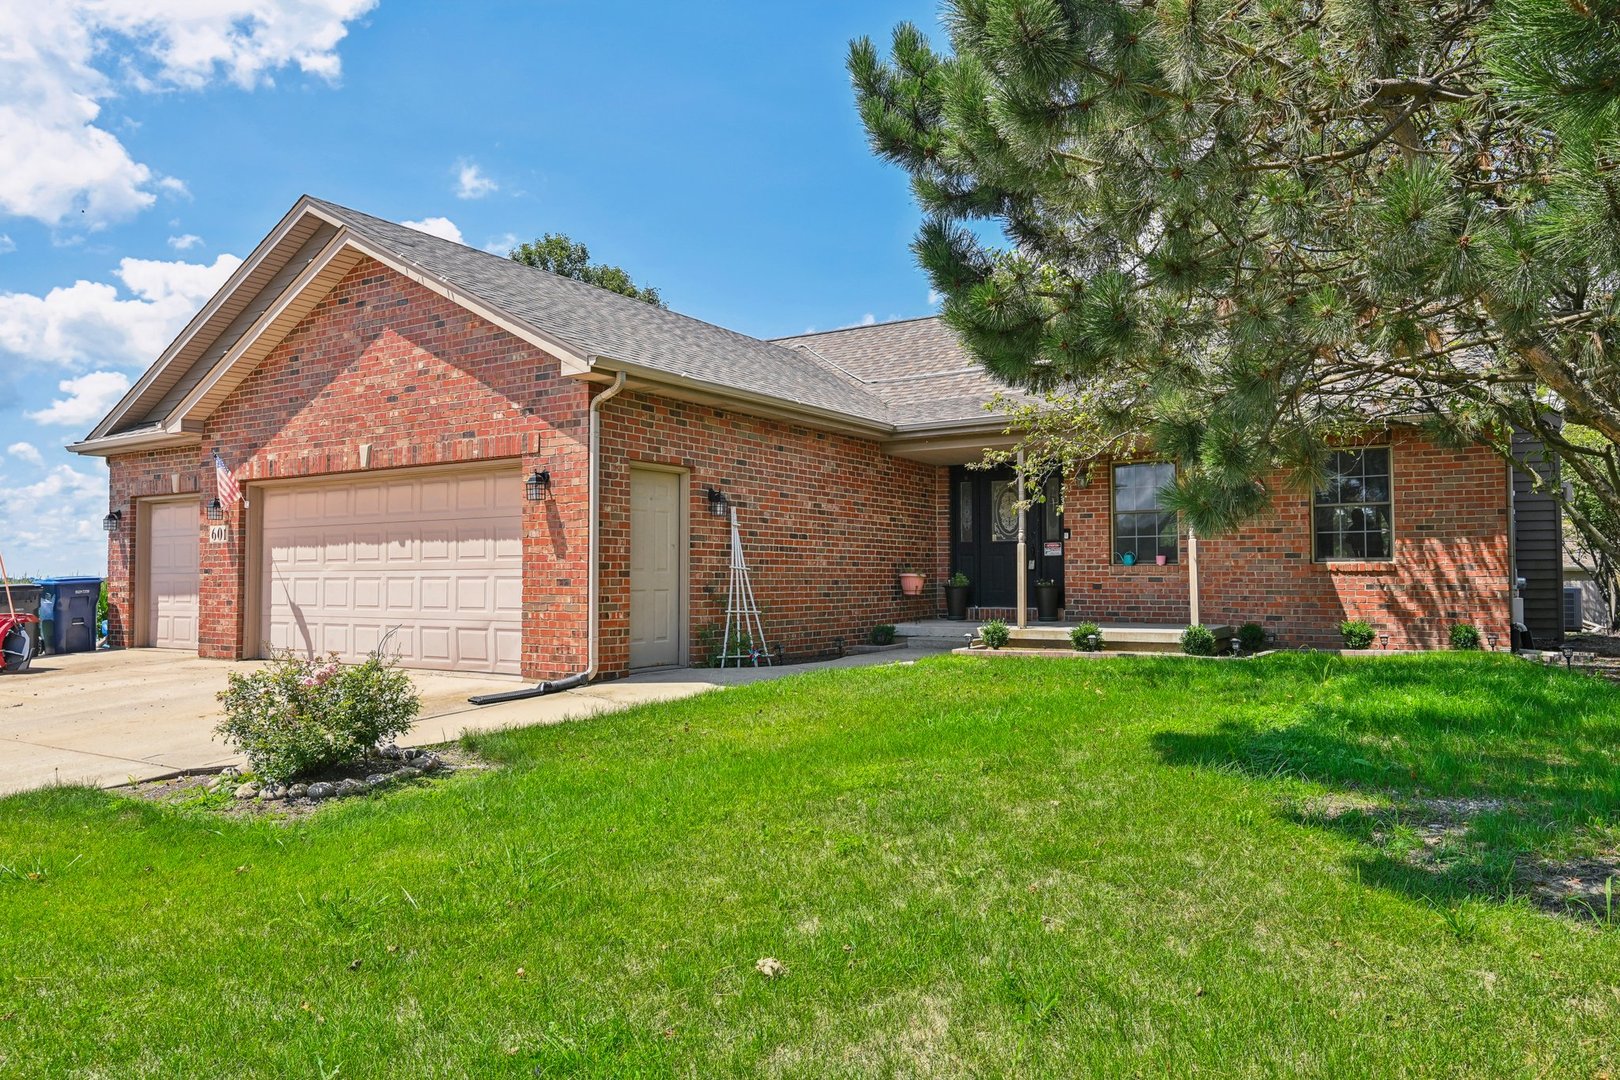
column 386, row 399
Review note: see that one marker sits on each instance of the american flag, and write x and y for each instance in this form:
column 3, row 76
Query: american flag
column 225, row 484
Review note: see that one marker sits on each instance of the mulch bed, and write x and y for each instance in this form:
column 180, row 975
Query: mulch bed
column 216, row 792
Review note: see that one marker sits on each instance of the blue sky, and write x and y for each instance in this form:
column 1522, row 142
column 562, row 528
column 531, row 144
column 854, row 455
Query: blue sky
column 712, row 150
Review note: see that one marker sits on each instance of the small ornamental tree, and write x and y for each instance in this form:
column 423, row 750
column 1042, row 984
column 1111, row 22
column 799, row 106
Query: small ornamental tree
column 569, row 258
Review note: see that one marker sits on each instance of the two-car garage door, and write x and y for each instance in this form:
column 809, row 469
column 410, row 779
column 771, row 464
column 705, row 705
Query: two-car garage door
column 438, row 559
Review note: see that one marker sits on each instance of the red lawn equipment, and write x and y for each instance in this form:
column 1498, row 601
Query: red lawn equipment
column 16, row 639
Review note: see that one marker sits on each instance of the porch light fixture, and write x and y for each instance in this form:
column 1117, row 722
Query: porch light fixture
column 719, row 505
column 216, row 509
column 110, row 522
column 538, row 485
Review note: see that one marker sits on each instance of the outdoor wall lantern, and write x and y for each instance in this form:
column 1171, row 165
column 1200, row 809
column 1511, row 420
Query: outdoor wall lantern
column 538, row 485
column 110, row 522
column 718, row 503
column 216, row 509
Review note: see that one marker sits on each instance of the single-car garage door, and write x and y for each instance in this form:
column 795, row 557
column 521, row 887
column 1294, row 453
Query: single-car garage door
column 439, row 557
column 171, row 575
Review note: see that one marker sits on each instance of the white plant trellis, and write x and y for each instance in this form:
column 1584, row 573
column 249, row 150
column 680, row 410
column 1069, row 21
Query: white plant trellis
column 744, row 640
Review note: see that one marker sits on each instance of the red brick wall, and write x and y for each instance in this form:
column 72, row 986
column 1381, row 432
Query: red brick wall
column 826, row 522
column 385, row 362
column 1451, row 560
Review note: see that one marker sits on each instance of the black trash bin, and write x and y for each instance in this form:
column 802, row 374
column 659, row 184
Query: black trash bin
column 25, row 600
column 74, row 612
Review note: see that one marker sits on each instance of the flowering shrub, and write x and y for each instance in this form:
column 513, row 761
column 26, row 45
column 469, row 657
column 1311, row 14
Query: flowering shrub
column 297, row 715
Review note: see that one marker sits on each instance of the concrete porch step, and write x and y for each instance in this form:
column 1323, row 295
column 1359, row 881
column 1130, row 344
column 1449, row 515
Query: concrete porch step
column 1124, row 637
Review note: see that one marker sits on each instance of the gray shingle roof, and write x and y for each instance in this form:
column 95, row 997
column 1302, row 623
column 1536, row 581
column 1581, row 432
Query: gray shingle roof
column 600, row 322
column 918, row 366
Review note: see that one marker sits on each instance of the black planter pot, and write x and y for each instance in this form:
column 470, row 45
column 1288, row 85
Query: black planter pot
column 956, row 602
column 1048, row 602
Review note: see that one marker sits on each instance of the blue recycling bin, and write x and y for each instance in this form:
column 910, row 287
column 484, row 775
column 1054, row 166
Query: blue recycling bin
column 72, row 603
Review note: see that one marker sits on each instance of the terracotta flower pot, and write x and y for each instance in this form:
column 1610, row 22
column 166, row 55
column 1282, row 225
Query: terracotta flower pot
column 911, row 584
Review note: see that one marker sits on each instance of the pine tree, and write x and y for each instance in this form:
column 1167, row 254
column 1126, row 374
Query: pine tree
column 1245, row 229
column 560, row 255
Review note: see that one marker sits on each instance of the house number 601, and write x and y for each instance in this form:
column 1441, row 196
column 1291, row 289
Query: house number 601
column 219, row 534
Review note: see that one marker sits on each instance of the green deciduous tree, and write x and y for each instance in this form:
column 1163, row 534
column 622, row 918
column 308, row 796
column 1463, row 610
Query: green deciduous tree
column 560, row 255
column 1244, row 229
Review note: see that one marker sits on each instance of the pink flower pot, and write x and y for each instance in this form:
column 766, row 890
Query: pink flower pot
column 911, row 584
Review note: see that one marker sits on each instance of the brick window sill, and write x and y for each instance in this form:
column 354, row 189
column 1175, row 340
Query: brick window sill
column 1385, row 566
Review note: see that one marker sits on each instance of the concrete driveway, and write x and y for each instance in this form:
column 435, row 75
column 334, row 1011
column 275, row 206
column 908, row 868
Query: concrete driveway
column 112, row 717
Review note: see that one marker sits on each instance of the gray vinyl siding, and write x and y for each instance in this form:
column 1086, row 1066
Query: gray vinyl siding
column 1538, row 541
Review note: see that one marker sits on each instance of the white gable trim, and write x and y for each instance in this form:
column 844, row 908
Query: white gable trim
column 198, row 321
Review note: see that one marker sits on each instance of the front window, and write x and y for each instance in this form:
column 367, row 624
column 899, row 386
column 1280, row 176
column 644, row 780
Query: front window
column 1143, row 527
column 1352, row 512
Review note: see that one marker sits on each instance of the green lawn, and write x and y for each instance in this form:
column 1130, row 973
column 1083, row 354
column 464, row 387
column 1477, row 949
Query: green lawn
column 1002, row 867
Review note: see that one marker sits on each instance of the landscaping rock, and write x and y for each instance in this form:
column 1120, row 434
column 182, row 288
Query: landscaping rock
column 378, row 779
column 322, row 790
column 229, row 771
column 390, row 753
column 298, row 791
column 350, row 786
column 247, row 791
column 410, row 753
column 273, row 793
column 408, row 772
column 429, row 762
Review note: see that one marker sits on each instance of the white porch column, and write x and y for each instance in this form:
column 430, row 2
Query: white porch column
column 1192, row 574
column 1023, row 547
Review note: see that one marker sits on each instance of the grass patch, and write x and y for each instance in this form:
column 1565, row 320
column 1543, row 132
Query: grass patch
column 1010, row 867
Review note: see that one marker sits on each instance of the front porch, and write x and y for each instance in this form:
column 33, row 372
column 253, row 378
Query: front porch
column 1117, row 637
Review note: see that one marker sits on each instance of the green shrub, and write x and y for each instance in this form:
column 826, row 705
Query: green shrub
column 1252, row 636
column 295, row 716
column 958, row 579
column 1464, row 636
column 1198, row 641
column 1081, row 634
column 101, row 604
column 883, row 634
column 1357, row 633
column 995, row 633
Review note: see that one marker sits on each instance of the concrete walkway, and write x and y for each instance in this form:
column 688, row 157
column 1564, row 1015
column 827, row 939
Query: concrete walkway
column 113, row 717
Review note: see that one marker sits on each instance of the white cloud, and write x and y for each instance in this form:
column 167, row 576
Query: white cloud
column 935, row 298
column 61, row 60
column 442, row 227
column 503, row 244
column 868, row 319
column 7, row 244
column 26, row 451
column 186, row 242
column 88, row 323
column 471, row 183
column 88, row 399
column 66, row 540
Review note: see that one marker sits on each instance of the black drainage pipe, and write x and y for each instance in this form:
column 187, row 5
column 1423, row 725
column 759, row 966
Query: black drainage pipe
column 532, row 691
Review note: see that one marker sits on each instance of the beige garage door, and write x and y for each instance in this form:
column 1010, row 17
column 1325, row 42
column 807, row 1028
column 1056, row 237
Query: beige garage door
column 438, row 556
column 171, row 575
column 655, row 581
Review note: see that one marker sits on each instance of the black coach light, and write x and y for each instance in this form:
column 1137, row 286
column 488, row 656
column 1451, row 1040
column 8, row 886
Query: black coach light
column 216, row 509
column 718, row 503
column 538, row 485
column 110, row 522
